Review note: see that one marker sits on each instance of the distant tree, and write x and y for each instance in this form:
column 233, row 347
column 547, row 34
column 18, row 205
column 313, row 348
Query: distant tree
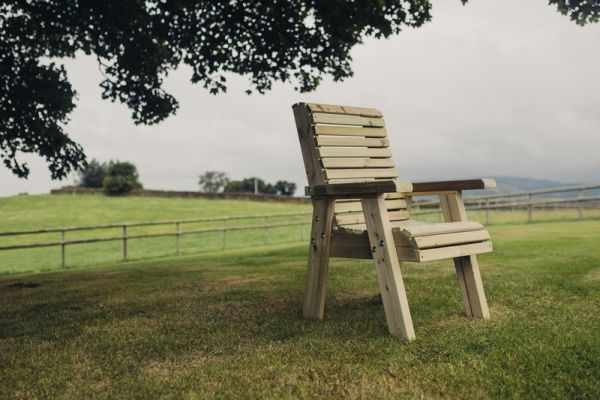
column 246, row 185
column 285, row 188
column 213, row 181
column 122, row 178
column 92, row 175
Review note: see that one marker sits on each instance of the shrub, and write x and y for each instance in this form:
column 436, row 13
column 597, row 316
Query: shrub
column 285, row 188
column 121, row 178
column 93, row 174
column 213, row 181
column 246, row 185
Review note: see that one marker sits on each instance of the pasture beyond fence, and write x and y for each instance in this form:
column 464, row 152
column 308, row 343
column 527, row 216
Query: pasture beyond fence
column 527, row 203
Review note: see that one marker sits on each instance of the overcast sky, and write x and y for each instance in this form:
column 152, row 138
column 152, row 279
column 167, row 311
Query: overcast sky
column 494, row 88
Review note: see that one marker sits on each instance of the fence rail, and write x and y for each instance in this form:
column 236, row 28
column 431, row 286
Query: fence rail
column 178, row 232
column 511, row 201
column 485, row 203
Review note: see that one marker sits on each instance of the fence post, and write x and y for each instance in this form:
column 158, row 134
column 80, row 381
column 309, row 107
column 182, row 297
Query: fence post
column 224, row 238
column 62, row 248
column 124, row 242
column 487, row 211
column 178, row 236
column 266, row 230
column 580, row 203
column 529, row 207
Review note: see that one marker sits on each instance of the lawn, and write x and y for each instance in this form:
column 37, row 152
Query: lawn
column 51, row 211
column 229, row 325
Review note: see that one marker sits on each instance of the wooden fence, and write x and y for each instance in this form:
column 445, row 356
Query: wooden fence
column 178, row 232
column 512, row 201
column 522, row 201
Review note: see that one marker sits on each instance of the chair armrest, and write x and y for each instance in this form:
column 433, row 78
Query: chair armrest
column 359, row 189
column 430, row 188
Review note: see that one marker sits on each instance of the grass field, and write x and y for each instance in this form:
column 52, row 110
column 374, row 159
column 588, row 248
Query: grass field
column 49, row 211
column 230, row 326
column 45, row 211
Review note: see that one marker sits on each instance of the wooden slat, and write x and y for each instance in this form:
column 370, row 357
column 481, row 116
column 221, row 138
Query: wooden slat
column 362, row 180
column 398, row 215
column 358, row 163
column 351, row 206
column 353, row 227
column 350, row 219
column 350, row 131
column 389, row 196
column 426, row 229
column 395, row 204
column 440, row 253
column 351, row 141
column 347, row 152
column 334, row 109
column 350, row 244
column 355, row 206
column 361, row 173
column 359, row 218
column 424, row 242
column 341, row 119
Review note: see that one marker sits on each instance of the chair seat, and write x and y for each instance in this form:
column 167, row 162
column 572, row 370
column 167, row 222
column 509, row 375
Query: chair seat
column 420, row 241
column 413, row 228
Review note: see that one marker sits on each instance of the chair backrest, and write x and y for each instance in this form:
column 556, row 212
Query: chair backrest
column 347, row 144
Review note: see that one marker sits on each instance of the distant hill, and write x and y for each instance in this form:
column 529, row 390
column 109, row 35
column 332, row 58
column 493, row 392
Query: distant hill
column 510, row 184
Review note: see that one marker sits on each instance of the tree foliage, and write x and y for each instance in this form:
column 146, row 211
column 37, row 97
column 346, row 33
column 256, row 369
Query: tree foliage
column 137, row 42
column 580, row 11
column 247, row 185
column 213, row 181
column 92, row 175
column 122, row 177
column 285, row 188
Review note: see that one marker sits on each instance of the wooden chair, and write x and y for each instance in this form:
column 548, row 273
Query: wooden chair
column 361, row 210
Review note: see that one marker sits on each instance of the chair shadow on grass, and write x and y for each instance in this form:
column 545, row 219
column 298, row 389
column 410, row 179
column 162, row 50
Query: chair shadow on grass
column 196, row 315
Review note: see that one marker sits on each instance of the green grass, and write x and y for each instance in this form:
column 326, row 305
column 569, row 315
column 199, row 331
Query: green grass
column 230, row 326
column 46, row 211
column 50, row 211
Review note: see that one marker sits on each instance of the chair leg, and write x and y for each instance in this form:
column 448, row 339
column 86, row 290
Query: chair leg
column 467, row 268
column 393, row 294
column 471, row 287
column 318, row 257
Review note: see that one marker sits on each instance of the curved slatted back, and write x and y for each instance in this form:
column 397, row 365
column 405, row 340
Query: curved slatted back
column 347, row 144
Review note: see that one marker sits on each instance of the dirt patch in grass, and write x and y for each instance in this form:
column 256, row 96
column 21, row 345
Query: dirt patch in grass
column 592, row 276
